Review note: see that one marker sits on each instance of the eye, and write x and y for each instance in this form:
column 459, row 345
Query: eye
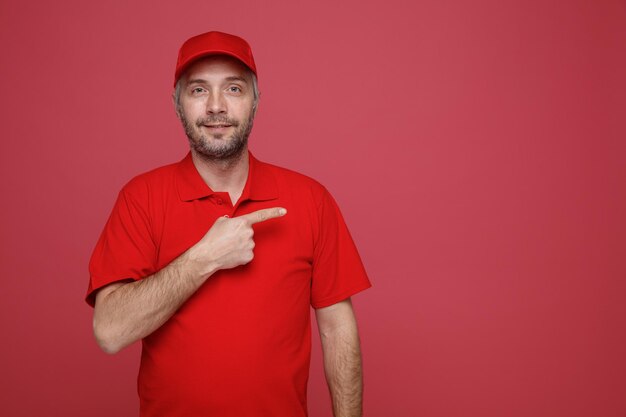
column 234, row 89
column 197, row 90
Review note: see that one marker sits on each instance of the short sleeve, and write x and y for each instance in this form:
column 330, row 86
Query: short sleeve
column 338, row 271
column 125, row 249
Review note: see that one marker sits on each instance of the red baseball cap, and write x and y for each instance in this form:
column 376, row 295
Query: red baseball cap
column 213, row 43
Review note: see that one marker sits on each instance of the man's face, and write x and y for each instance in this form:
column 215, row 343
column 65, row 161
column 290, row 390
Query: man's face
column 216, row 107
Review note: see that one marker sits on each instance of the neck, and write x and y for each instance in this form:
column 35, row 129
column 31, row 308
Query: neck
column 224, row 175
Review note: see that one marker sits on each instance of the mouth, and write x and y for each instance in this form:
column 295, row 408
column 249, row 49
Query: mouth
column 217, row 128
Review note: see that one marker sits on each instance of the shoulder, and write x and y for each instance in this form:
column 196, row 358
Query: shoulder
column 294, row 182
column 158, row 180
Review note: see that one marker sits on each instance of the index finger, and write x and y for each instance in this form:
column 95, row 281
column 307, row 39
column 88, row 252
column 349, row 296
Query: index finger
column 264, row 214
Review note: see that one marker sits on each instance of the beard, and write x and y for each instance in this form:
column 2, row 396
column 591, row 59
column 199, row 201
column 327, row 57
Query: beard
column 218, row 147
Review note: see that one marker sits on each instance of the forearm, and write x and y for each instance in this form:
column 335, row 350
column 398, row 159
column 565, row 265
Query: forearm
column 134, row 310
column 342, row 364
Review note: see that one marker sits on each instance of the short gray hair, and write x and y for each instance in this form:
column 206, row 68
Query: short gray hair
column 255, row 91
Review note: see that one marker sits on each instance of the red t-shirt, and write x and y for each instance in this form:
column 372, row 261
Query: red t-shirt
column 241, row 345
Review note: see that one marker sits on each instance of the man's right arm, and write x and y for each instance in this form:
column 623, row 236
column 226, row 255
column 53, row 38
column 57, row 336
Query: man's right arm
column 129, row 311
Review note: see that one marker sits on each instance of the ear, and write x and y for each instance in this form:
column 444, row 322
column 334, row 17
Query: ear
column 177, row 108
column 256, row 105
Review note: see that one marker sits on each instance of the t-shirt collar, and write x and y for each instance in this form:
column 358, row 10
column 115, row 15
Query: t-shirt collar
column 260, row 184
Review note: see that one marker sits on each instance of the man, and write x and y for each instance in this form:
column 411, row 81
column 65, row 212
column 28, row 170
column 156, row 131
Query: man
column 214, row 261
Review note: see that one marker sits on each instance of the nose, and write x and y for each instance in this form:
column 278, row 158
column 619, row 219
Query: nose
column 215, row 103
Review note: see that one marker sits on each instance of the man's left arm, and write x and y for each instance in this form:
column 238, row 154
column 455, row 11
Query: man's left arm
column 342, row 357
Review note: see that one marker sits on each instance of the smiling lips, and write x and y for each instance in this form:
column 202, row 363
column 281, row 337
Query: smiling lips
column 218, row 126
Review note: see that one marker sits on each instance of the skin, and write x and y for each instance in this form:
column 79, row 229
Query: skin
column 217, row 107
column 342, row 357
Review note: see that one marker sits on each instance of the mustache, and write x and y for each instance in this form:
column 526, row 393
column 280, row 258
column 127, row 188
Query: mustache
column 217, row 120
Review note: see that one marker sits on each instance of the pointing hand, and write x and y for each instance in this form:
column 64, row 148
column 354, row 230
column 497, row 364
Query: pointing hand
column 229, row 242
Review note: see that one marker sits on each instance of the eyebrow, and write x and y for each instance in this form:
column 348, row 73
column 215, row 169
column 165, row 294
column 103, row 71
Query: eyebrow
column 236, row 78
column 231, row 78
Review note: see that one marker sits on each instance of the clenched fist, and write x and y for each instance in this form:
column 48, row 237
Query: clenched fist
column 229, row 242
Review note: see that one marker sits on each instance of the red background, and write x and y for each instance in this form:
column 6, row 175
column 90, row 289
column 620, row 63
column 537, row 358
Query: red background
column 477, row 150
